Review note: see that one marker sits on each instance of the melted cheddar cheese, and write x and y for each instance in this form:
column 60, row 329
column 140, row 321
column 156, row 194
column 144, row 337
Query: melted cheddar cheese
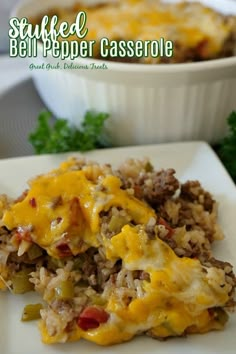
column 66, row 206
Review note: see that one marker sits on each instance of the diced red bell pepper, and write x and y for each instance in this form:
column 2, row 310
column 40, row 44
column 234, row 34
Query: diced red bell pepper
column 23, row 233
column 64, row 250
column 167, row 226
column 33, row 202
column 91, row 317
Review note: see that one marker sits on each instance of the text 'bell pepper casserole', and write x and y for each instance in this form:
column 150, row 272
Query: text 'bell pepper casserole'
column 115, row 253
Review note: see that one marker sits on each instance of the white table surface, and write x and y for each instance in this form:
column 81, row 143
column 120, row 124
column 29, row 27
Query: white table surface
column 12, row 71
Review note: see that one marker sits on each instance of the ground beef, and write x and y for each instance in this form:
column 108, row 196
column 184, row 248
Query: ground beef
column 229, row 275
column 163, row 187
column 192, row 191
column 154, row 187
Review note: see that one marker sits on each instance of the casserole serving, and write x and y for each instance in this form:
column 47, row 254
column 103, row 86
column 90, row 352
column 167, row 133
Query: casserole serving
column 115, row 253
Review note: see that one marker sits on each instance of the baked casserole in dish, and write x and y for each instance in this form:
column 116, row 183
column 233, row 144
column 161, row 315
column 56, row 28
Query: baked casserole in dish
column 198, row 32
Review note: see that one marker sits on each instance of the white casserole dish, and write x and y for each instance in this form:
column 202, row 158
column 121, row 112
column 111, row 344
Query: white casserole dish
column 147, row 103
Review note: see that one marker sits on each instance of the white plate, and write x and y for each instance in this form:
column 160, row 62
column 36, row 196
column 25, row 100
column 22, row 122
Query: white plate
column 191, row 161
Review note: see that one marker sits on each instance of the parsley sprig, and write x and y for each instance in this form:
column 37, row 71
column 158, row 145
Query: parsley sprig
column 55, row 136
column 227, row 147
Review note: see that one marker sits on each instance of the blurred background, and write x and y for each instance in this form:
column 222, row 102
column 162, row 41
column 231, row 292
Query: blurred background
column 6, row 7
